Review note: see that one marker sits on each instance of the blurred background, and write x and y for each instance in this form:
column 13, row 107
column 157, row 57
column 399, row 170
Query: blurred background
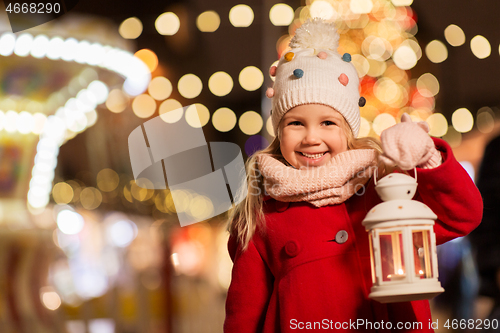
column 84, row 249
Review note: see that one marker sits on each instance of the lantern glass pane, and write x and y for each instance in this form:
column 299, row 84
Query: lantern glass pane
column 372, row 259
column 422, row 254
column 391, row 252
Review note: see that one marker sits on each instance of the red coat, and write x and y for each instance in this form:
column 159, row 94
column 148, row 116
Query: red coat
column 293, row 276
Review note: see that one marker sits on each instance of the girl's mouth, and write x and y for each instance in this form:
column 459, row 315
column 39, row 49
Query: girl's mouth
column 313, row 156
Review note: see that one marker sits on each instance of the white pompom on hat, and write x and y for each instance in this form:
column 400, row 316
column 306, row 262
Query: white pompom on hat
column 313, row 72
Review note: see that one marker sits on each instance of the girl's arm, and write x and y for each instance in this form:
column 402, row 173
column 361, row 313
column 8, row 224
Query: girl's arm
column 451, row 194
column 250, row 290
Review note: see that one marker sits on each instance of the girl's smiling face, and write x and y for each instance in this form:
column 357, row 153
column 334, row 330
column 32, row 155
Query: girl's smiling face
column 311, row 134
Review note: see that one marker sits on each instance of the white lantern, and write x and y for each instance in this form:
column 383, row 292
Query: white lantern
column 402, row 243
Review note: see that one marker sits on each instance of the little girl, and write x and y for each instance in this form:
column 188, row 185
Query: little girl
column 301, row 256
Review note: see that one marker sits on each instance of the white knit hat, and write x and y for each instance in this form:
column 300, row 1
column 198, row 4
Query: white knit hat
column 313, row 72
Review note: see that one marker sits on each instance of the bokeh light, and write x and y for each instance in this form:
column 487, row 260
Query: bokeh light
column 269, row 126
column 281, row 14
column 361, row 64
column 361, row 6
column 322, row 9
column 90, row 198
column 428, row 85
column 220, row 83
column 241, row 16
column 160, row 88
column 117, row 101
column 402, row 2
column 436, row 51
column 250, row 123
column 167, row 24
column 70, row 222
column 171, row 111
column 122, row 232
column 148, row 57
column 144, row 106
column 197, row 115
column 208, row 21
column 364, row 128
column 382, row 122
column 131, row 28
column 107, row 180
column 462, row 120
column 224, row 119
column 438, row 125
column 50, row 298
column 190, row 86
column 62, row 193
column 251, row 78
column 454, row 35
column 480, row 47
column 405, row 57
column 485, row 120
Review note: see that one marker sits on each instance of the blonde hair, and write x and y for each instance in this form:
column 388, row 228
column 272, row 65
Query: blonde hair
column 249, row 214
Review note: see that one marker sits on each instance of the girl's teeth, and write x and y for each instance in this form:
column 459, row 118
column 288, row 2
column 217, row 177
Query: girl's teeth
column 314, row 156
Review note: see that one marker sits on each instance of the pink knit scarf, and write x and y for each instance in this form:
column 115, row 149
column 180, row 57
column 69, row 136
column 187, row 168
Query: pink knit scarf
column 332, row 183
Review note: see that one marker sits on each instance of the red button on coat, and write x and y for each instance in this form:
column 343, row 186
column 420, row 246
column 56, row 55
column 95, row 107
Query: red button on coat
column 292, row 248
column 282, row 206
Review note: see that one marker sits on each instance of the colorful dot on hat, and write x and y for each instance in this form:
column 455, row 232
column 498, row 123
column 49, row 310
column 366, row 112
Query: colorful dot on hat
column 343, row 79
column 346, row 57
column 298, row 73
column 322, row 55
column 289, row 56
column 272, row 71
column 362, row 101
column 270, row 92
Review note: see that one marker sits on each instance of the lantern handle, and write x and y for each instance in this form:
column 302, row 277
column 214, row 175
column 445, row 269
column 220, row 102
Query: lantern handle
column 376, row 175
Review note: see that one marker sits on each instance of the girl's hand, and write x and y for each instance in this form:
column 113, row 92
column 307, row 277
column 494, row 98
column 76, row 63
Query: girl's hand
column 408, row 145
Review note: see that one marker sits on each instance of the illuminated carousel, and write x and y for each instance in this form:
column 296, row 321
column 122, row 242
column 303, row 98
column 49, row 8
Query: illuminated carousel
column 53, row 79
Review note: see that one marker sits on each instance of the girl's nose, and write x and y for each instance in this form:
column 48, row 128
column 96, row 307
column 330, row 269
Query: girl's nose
column 311, row 138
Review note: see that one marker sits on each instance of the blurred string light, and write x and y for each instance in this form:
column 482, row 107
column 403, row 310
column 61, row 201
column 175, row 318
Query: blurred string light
column 171, row 111
column 485, row 120
column 208, row 21
column 167, row 24
column 220, row 83
column 462, row 120
column 361, row 6
column 281, row 14
column 160, row 88
column 224, row 119
column 480, row 47
column 122, row 232
column 197, row 115
column 241, row 16
column 251, row 78
column 144, row 106
column 428, row 85
column 382, row 122
column 438, row 124
column 250, row 123
column 117, row 101
column 136, row 74
column 436, row 51
column 402, row 2
column 454, row 35
column 190, row 86
column 130, row 28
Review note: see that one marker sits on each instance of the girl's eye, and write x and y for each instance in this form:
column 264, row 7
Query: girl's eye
column 294, row 123
column 329, row 123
